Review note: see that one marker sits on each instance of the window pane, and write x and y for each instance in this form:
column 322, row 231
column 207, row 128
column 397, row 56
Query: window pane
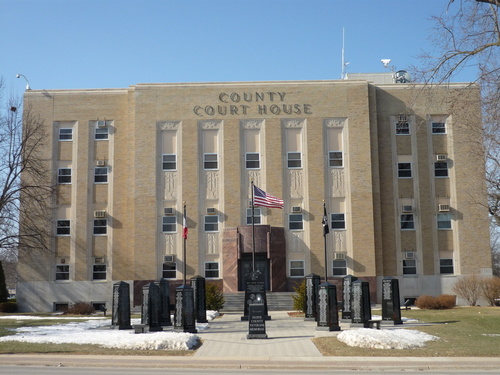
column 252, row 160
column 295, row 222
column 211, row 223
column 407, row 222
column 169, row 224
column 444, row 221
column 64, row 176
column 169, row 162
column 62, row 272
column 339, row 267
column 65, row 134
column 402, row 127
column 441, row 169
column 404, row 170
column 99, row 272
column 438, row 128
column 101, row 226
column 294, row 160
column 210, row 161
column 446, row 266
column 101, row 133
column 101, row 175
column 335, row 159
column 212, row 269
column 169, row 270
column 256, row 215
column 409, row 267
column 63, row 228
column 338, row 221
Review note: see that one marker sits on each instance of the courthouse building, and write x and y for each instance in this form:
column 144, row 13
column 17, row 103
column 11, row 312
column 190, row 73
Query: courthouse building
column 399, row 170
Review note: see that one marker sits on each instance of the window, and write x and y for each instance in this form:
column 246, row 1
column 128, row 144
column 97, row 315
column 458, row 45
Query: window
column 66, row 134
column 409, row 267
column 169, row 224
column 210, row 161
column 256, row 216
column 99, row 272
column 402, row 128
column 444, row 221
column 335, row 159
column 169, row 162
column 297, row 268
column 101, row 133
column 61, row 306
column 438, row 128
column 212, row 270
column 63, row 228
column 294, row 160
column 338, row 221
column 211, row 223
column 101, row 175
column 64, row 176
column 404, row 170
column 252, row 160
column 295, row 222
column 407, row 222
column 169, row 270
column 100, row 227
column 62, row 272
column 339, row 267
column 441, row 169
column 446, row 266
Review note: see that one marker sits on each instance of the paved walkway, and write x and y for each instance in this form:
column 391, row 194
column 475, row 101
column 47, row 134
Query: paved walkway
column 287, row 337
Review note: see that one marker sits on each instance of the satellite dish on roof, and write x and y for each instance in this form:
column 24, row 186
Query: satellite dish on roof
column 402, row 76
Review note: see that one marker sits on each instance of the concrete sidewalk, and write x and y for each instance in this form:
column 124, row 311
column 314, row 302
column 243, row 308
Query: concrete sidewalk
column 287, row 337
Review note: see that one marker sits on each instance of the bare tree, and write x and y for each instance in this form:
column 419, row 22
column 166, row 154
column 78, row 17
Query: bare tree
column 23, row 178
column 468, row 35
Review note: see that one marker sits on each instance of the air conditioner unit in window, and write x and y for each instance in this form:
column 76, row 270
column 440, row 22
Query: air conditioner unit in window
column 100, row 214
column 211, row 211
column 101, row 124
column 296, row 209
column 168, row 258
column 407, row 208
column 441, row 157
column 100, row 163
column 409, row 254
column 62, row 261
column 338, row 256
column 98, row 260
column 167, row 211
column 403, row 118
column 444, row 207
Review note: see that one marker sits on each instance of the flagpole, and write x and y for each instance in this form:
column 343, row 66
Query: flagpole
column 324, row 237
column 184, row 244
column 253, row 231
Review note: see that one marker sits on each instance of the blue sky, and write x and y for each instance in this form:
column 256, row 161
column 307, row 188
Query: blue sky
column 65, row 44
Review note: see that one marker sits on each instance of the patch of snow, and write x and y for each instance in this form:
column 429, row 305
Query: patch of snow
column 385, row 338
column 94, row 331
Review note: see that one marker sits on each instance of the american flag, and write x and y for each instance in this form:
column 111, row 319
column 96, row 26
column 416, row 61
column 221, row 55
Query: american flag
column 261, row 198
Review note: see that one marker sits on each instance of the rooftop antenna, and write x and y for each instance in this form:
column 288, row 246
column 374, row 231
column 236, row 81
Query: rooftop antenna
column 344, row 64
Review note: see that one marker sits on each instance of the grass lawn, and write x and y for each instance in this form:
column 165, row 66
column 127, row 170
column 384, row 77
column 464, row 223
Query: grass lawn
column 12, row 347
column 462, row 332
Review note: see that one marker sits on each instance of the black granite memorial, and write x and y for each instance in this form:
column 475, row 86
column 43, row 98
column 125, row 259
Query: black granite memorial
column 391, row 305
column 256, row 322
column 361, row 306
column 255, row 293
column 150, row 313
column 328, row 314
column 347, row 297
column 200, row 304
column 311, row 300
column 184, row 309
column 165, row 319
column 120, row 316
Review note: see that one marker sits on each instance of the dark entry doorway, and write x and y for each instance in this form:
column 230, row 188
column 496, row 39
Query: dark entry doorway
column 245, row 267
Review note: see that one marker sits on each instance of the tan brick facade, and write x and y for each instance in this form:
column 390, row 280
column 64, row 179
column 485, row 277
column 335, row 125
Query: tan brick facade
column 353, row 155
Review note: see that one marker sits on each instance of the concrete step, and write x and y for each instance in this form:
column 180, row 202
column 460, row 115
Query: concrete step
column 277, row 301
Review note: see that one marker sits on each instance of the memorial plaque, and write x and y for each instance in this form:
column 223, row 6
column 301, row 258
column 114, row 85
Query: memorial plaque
column 120, row 316
column 328, row 318
column 184, row 309
column 256, row 322
column 150, row 312
column 347, row 297
column 165, row 318
column 200, row 305
column 361, row 306
column 255, row 293
column 391, row 307
column 311, row 302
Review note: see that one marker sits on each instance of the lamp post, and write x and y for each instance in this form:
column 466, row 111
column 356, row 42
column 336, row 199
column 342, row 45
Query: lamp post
column 27, row 82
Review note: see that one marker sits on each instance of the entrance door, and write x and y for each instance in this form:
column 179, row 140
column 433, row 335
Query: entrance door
column 245, row 267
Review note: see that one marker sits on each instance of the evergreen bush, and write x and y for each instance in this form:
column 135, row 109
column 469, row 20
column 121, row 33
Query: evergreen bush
column 8, row 307
column 213, row 297
column 299, row 299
